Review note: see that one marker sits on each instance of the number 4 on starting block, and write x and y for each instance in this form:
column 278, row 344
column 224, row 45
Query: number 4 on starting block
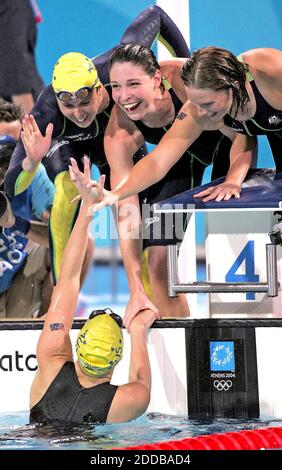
column 247, row 255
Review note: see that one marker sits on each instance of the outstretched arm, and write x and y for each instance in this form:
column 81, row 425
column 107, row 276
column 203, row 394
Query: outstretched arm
column 153, row 23
column 241, row 156
column 122, row 140
column 59, row 317
column 36, row 145
column 154, row 166
column 28, row 155
column 22, row 167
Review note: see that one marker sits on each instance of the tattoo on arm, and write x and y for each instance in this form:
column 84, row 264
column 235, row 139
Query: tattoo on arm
column 56, row 326
column 181, row 116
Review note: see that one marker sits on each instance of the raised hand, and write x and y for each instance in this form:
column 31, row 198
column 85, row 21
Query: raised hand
column 106, row 198
column 89, row 191
column 36, row 145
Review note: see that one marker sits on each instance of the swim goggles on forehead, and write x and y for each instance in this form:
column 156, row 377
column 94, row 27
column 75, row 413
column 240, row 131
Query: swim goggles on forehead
column 107, row 311
column 81, row 94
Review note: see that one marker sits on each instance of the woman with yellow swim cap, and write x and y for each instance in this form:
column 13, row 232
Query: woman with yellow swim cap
column 80, row 391
column 74, row 112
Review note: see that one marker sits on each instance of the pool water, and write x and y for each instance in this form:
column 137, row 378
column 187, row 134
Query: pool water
column 149, row 428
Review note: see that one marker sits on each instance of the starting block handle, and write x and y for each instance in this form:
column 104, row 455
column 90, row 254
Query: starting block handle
column 270, row 287
column 271, row 269
column 172, row 270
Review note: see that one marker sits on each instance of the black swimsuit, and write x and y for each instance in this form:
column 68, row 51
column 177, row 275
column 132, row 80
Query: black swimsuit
column 67, row 401
column 266, row 121
column 204, row 151
column 187, row 173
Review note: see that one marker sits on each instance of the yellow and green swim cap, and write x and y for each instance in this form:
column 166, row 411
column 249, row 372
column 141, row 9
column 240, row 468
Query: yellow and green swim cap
column 99, row 344
column 73, row 71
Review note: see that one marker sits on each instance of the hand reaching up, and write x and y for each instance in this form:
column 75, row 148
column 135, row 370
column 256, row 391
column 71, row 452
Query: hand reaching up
column 36, row 145
column 104, row 197
column 90, row 191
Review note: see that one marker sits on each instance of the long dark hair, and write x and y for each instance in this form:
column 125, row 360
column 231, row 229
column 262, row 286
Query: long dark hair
column 218, row 69
column 137, row 55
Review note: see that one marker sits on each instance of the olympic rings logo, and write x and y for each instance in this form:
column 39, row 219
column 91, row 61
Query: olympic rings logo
column 222, row 385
